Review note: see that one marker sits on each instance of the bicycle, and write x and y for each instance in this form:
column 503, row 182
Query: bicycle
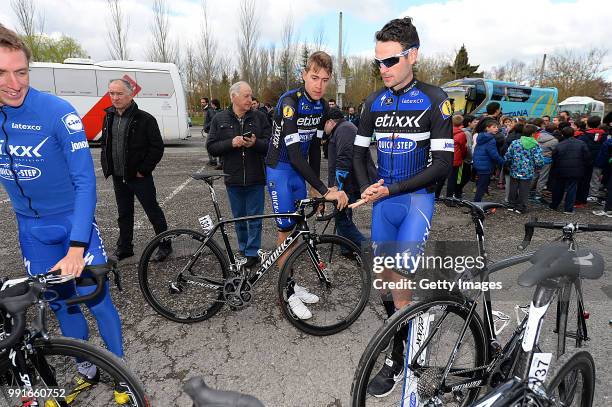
column 37, row 368
column 197, row 279
column 482, row 361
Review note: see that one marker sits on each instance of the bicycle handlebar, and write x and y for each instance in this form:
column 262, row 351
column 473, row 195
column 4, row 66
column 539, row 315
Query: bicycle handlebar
column 533, row 223
column 204, row 396
column 16, row 299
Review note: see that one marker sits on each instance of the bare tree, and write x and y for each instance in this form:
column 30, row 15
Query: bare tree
column 117, row 31
column 512, row 71
column 432, row 69
column 162, row 48
column 31, row 25
column 286, row 63
column 191, row 74
column 248, row 39
column 208, row 52
column 318, row 40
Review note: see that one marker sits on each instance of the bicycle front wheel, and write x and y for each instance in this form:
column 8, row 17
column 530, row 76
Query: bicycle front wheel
column 331, row 269
column 187, row 286
column 431, row 328
column 52, row 370
column 572, row 381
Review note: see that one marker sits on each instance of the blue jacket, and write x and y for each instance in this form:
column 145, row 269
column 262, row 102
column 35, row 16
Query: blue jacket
column 485, row 154
column 45, row 162
column 604, row 155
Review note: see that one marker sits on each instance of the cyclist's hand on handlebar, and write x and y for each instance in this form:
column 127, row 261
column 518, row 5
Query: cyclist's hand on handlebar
column 72, row 263
column 339, row 196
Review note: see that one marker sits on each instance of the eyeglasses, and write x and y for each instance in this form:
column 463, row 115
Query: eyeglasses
column 392, row 60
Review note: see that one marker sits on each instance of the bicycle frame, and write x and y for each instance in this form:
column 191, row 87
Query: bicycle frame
column 301, row 230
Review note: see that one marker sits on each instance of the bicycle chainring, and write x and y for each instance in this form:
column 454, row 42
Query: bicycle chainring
column 237, row 292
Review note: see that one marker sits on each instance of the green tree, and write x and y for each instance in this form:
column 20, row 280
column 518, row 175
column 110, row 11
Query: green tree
column 305, row 55
column 57, row 50
column 461, row 68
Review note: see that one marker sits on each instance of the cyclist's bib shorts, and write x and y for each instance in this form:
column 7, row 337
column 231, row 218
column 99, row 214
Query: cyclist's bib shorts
column 45, row 241
column 401, row 224
column 285, row 186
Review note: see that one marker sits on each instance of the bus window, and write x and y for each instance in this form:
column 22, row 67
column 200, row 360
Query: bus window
column 75, row 82
column 104, row 77
column 42, row 79
column 155, row 84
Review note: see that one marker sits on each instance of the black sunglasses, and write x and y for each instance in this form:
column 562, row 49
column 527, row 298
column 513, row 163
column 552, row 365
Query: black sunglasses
column 394, row 59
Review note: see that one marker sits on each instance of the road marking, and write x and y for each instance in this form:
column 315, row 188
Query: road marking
column 178, row 189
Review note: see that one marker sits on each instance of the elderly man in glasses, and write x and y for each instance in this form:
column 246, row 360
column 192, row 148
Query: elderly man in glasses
column 411, row 121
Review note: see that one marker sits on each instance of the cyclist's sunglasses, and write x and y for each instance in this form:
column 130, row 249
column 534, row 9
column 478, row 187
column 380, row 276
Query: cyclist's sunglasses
column 392, row 60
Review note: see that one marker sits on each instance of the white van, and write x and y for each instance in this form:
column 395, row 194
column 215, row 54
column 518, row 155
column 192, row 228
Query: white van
column 578, row 105
column 84, row 84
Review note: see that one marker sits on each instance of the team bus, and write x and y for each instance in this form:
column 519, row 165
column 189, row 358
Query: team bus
column 83, row 83
column 471, row 96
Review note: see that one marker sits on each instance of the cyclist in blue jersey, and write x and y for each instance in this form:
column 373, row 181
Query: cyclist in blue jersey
column 294, row 158
column 47, row 171
column 411, row 123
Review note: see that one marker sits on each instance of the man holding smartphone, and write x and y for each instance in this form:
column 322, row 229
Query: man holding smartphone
column 240, row 136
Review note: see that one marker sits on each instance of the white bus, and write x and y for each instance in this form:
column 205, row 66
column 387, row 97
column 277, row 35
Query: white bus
column 83, row 83
column 578, row 105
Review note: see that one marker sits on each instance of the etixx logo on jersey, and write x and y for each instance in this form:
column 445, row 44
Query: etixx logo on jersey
column 73, row 123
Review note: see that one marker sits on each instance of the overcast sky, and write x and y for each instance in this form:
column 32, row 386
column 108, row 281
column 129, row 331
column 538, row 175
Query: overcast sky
column 493, row 31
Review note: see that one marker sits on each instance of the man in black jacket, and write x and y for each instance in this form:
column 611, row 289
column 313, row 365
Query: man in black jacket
column 570, row 161
column 131, row 148
column 240, row 136
column 340, row 175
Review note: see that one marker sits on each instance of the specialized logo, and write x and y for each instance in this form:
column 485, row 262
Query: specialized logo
column 305, row 107
column 388, row 101
column 396, row 145
column 23, row 172
column 446, row 109
column 288, row 112
column 23, row 151
column 414, row 93
column 73, row 123
column 398, row 121
column 78, row 145
column 20, row 126
column 309, row 121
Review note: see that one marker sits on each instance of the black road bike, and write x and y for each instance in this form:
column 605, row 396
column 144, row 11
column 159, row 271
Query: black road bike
column 38, row 370
column 198, row 277
column 463, row 353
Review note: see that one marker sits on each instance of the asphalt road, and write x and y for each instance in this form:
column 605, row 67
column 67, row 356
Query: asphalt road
column 256, row 350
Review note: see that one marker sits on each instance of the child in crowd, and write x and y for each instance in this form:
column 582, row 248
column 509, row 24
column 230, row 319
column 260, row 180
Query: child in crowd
column 486, row 157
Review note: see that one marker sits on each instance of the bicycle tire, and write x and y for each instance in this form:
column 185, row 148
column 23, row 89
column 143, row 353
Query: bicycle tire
column 564, row 301
column 335, row 310
column 563, row 370
column 71, row 349
column 376, row 347
column 187, row 301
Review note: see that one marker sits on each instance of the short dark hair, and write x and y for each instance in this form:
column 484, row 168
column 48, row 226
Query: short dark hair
column 9, row 39
column 550, row 128
column 581, row 125
column 319, row 60
column 399, row 30
column 331, row 100
column 563, row 125
column 254, row 99
column 566, row 112
column 529, row 130
column 518, row 129
column 203, row 98
column 215, row 102
column 493, row 107
column 593, row 122
column 537, row 122
column 546, row 116
column 467, row 119
column 567, row 132
column 489, row 122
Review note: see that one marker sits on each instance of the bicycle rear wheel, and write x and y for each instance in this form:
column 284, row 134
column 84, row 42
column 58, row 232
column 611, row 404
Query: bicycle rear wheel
column 52, row 367
column 342, row 299
column 572, row 379
column 433, row 327
column 187, row 286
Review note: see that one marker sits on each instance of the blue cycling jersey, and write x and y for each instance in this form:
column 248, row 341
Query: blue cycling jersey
column 45, row 163
column 413, row 133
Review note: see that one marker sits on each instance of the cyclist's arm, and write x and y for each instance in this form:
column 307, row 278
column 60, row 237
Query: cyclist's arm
column 441, row 150
column 289, row 132
column 81, row 170
column 361, row 147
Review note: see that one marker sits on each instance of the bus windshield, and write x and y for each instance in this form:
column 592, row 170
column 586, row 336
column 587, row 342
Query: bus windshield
column 466, row 95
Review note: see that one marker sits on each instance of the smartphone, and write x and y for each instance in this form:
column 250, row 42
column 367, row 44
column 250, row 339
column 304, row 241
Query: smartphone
column 246, row 135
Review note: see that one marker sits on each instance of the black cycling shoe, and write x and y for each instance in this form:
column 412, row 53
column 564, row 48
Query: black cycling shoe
column 385, row 380
column 251, row 261
column 120, row 254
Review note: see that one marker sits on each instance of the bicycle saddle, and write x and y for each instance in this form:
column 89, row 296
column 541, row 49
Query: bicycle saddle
column 203, row 176
column 554, row 261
